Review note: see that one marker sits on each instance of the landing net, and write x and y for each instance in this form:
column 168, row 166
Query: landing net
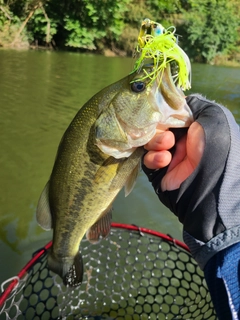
column 134, row 274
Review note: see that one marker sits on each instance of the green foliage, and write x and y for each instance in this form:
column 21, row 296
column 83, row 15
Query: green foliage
column 80, row 36
column 5, row 14
column 9, row 25
column 163, row 8
column 93, row 21
column 211, row 28
column 40, row 27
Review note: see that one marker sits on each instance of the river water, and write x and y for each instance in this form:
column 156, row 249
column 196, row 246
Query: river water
column 40, row 92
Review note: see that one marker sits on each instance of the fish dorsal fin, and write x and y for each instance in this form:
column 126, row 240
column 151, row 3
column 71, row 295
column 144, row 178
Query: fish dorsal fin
column 101, row 227
column 44, row 217
column 130, row 183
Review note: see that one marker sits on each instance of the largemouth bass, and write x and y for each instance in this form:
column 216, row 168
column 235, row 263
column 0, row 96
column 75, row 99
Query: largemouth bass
column 99, row 154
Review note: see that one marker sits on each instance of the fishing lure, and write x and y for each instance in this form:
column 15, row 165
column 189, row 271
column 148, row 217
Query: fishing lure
column 159, row 46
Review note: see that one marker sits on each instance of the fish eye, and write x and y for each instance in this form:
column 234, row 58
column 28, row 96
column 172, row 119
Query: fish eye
column 138, row 86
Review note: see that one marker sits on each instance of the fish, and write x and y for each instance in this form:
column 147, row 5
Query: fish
column 99, row 154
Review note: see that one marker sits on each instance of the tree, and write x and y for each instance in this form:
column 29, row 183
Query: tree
column 86, row 24
column 210, row 28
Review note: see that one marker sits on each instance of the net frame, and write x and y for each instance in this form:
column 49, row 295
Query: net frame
column 19, row 280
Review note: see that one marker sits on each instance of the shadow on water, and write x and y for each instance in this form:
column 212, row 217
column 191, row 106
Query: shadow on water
column 40, row 92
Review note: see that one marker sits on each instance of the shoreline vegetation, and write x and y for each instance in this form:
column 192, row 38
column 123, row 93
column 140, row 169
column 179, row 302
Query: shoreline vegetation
column 208, row 31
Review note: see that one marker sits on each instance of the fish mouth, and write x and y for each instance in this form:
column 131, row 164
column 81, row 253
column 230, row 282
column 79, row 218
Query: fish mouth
column 171, row 103
column 178, row 121
column 178, row 117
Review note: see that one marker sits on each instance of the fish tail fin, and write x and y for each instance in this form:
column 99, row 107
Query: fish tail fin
column 74, row 276
column 71, row 271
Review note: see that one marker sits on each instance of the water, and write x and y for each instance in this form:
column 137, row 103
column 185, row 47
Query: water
column 40, row 92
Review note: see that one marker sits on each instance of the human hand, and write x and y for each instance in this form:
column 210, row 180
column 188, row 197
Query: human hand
column 198, row 177
column 190, row 182
column 188, row 153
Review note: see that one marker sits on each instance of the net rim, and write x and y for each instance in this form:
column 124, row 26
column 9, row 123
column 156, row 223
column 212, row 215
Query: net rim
column 14, row 283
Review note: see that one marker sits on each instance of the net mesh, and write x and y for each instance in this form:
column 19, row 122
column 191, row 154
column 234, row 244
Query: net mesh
column 130, row 275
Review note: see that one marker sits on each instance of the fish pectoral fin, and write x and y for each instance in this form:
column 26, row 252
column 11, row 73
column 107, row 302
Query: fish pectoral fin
column 106, row 171
column 101, row 227
column 130, row 183
column 43, row 214
column 127, row 172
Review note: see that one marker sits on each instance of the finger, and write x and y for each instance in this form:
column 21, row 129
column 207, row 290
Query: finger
column 187, row 158
column 157, row 160
column 161, row 141
column 179, row 154
column 195, row 144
